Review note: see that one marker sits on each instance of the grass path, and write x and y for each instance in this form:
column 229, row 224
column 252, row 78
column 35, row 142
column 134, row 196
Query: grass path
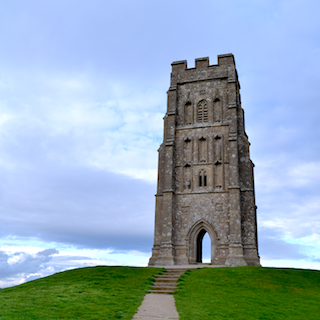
column 249, row 293
column 86, row 293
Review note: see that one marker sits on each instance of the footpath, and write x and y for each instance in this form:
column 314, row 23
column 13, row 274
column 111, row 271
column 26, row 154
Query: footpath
column 159, row 303
column 157, row 306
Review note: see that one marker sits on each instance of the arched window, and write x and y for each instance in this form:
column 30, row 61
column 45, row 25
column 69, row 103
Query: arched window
column 202, row 178
column 202, row 111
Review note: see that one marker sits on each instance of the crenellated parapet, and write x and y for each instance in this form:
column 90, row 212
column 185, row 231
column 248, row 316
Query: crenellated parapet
column 226, row 68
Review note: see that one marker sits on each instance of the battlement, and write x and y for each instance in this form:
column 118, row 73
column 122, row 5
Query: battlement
column 202, row 63
column 226, row 68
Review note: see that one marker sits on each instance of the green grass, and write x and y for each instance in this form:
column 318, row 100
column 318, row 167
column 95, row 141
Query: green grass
column 203, row 294
column 86, row 293
column 248, row 293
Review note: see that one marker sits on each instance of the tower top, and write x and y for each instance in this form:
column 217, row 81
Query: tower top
column 201, row 63
column 226, row 68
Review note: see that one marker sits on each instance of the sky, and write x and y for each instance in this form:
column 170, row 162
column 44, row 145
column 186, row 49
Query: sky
column 82, row 98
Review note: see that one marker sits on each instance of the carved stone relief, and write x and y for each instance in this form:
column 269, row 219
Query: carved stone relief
column 217, row 110
column 203, row 149
column 188, row 114
column 219, row 175
column 187, row 150
column 187, row 177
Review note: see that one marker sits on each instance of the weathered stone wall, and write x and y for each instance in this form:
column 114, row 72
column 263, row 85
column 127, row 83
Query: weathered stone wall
column 205, row 175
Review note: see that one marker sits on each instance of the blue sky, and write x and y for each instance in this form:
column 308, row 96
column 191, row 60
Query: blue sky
column 82, row 96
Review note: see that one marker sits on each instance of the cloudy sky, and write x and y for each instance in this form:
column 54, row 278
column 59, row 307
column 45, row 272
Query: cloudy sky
column 82, row 95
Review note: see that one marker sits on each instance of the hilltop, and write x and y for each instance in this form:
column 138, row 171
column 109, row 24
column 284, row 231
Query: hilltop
column 208, row 293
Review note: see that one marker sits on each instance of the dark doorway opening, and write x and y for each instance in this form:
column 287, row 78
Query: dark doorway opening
column 199, row 245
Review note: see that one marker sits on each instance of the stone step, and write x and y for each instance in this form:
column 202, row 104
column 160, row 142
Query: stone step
column 168, row 276
column 161, row 285
column 161, row 291
column 165, row 283
column 165, row 280
column 175, row 269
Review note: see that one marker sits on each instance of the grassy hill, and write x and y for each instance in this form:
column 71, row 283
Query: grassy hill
column 249, row 293
column 209, row 293
column 86, row 293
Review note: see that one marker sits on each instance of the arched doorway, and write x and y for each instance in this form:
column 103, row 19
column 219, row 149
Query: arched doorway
column 200, row 230
column 203, row 247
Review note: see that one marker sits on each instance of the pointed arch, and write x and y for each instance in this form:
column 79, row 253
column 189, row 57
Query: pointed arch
column 188, row 114
column 202, row 111
column 203, row 149
column 217, row 109
column 202, row 176
column 195, row 236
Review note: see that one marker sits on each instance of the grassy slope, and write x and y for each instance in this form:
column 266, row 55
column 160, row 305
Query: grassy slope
column 209, row 293
column 249, row 293
column 86, row 293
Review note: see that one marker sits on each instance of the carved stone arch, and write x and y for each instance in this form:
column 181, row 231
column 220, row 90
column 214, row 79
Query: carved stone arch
column 203, row 149
column 187, row 177
column 195, row 236
column 217, row 95
column 188, row 113
column 217, row 108
column 187, row 150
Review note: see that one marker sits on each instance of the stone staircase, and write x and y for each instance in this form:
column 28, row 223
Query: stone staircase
column 167, row 282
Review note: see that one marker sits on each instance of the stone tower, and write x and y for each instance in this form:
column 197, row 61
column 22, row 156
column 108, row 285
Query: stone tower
column 205, row 175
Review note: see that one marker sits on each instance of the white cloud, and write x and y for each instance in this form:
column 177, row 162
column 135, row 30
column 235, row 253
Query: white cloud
column 28, row 264
column 16, row 267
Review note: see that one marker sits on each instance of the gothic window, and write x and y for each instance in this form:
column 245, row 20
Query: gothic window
column 188, row 113
column 202, row 111
column 202, row 178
